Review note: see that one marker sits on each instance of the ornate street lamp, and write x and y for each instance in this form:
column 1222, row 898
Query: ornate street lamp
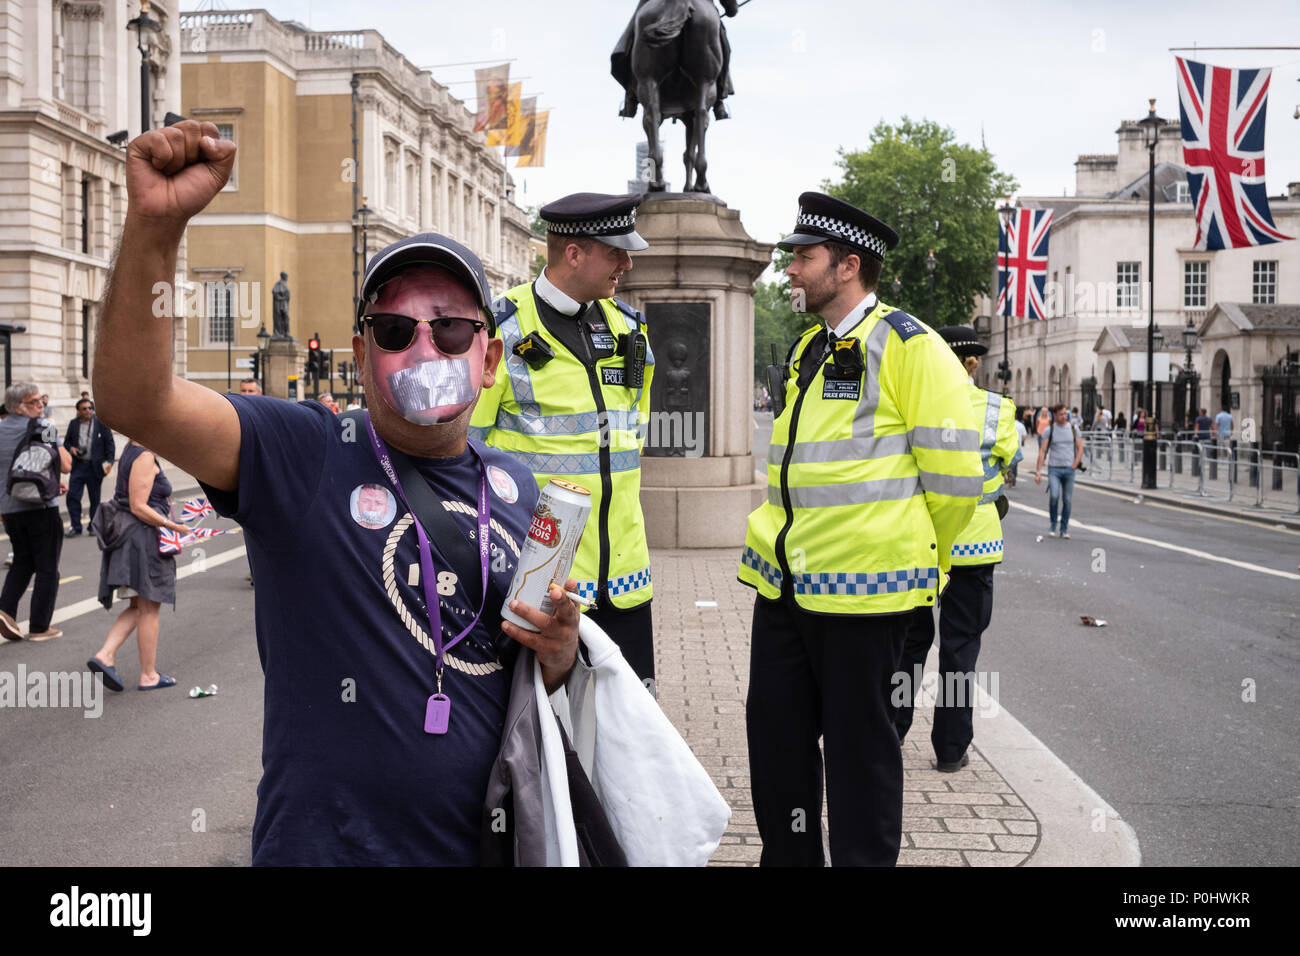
column 263, row 340
column 930, row 263
column 1151, row 136
column 227, row 294
column 1006, row 211
column 145, row 27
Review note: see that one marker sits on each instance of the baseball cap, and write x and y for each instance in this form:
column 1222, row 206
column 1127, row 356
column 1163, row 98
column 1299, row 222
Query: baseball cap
column 433, row 249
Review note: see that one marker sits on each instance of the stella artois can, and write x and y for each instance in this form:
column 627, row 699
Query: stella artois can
column 548, row 552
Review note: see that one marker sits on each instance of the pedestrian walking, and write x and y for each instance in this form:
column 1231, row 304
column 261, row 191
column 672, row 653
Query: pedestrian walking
column 326, row 399
column 135, row 569
column 29, row 507
column 1062, row 448
column 967, row 604
column 1021, row 434
column 571, row 395
column 874, row 470
column 1121, row 423
column 91, row 446
column 386, row 683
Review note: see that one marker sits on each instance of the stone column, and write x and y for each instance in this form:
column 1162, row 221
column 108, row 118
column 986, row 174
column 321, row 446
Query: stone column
column 285, row 357
column 695, row 285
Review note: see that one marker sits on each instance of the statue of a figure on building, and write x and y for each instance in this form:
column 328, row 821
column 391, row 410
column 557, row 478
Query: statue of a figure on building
column 674, row 60
column 280, row 307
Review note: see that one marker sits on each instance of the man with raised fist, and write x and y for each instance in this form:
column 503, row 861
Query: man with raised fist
column 383, row 705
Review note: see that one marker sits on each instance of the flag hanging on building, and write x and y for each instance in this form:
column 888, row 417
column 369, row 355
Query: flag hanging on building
column 500, row 130
column 493, row 84
column 521, row 125
column 1222, row 112
column 537, row 155
column 1022, row 263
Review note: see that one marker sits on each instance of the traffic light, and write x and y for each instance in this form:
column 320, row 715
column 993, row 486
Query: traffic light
column 257, row 365
column 313, row 356
column 1004, row 371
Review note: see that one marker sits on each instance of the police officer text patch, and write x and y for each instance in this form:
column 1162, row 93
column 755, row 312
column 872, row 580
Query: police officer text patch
column 612, row 376
column 842, row 388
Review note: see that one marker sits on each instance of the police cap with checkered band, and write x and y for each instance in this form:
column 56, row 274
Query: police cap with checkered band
column 823, row 218
column 605, row 218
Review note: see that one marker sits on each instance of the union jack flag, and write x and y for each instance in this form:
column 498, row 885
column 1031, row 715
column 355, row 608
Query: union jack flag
column 205, row 532
column 1222, row 113
column 171, row 542
column 195, row 508
column 1022, row 263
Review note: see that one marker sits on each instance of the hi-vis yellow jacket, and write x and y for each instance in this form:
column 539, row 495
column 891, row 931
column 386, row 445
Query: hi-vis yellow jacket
column 550, row 419
column 869, row 478
column 980, row 542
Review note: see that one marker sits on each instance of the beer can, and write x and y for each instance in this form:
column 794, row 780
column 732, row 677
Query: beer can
column 549, row 549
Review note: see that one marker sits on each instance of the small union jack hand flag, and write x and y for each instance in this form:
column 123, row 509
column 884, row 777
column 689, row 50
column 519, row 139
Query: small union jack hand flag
column 205, row 532
column 171, row 542
column 194, row 509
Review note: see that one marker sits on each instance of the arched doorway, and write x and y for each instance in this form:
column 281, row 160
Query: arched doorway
column 1020, row 396
column 1064, row 394
column 1053, row 386
column 1221, row 381
column 1108, row 386
column 1029, row 385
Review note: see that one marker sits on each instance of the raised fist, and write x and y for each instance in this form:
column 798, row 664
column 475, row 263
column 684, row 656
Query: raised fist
column 173, row 173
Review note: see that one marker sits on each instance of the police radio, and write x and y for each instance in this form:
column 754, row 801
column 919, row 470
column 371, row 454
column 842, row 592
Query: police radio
column 633, row 349
column 777, row 375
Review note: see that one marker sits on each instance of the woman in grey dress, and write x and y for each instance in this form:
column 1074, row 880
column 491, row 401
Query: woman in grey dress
column 136, row 569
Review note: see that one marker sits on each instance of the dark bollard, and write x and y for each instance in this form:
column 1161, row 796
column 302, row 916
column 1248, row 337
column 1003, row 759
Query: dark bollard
column 1277, row 468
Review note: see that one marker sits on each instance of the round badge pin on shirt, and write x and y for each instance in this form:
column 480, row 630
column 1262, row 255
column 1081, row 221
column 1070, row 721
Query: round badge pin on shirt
column 372, row 506
column 503, row 486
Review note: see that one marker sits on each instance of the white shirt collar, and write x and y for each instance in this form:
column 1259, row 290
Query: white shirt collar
column 556, row 298
column 856, row 315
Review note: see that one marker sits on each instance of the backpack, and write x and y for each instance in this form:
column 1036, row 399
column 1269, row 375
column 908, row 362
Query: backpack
column 34, row 470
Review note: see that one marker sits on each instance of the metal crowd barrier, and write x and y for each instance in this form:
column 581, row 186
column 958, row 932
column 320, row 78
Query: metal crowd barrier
column 1211, row 469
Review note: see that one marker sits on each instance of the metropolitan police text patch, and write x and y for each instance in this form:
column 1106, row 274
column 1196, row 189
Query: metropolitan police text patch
column 612, row 376
column 841, row 388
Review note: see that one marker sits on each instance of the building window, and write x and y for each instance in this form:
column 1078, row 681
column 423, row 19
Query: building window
column 220, row 312
column 1263, row 282
column 85, row 214
column 85, row 340
column 391, row 185
column 434, row 205
column 227, row 131
column 1196, row 284
column 1181, row 192
column 1128, row 282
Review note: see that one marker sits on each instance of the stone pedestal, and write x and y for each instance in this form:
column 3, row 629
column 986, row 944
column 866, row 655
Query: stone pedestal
column 284, row 358
column 695, row 285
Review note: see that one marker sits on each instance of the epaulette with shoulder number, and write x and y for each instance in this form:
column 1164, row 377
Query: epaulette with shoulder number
column 630, row 312
column 902, row 323
column 503, row 308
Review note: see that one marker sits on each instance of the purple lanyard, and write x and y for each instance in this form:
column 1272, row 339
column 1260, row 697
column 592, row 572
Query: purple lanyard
column 439, row 709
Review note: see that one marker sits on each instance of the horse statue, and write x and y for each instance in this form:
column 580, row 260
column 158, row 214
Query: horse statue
column 673, row 58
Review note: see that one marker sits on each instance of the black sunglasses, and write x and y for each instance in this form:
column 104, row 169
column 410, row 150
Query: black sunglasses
column 395, row 333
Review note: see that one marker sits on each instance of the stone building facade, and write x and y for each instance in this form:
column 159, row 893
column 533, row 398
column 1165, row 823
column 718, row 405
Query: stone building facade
column 326, row 123
column 1097, row 294
column 69, row 78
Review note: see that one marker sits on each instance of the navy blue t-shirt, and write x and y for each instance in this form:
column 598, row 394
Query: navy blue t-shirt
column 349, row 775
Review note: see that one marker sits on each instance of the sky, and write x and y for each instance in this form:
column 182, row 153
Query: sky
column 1041, row 81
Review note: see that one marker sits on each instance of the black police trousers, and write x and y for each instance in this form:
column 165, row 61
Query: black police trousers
column 816, row 676
column 633, row 631
column 964, row 614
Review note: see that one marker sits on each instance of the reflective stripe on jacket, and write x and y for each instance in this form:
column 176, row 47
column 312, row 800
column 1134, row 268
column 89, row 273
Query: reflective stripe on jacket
column 980, row 542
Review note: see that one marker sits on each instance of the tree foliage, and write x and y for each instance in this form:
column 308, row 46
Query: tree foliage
column 913, row 176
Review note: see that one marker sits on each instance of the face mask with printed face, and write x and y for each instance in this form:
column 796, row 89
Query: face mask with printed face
column 431, row 392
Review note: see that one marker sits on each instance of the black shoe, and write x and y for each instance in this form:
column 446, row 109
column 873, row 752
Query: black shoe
column 74, row 532
column 954, row 766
